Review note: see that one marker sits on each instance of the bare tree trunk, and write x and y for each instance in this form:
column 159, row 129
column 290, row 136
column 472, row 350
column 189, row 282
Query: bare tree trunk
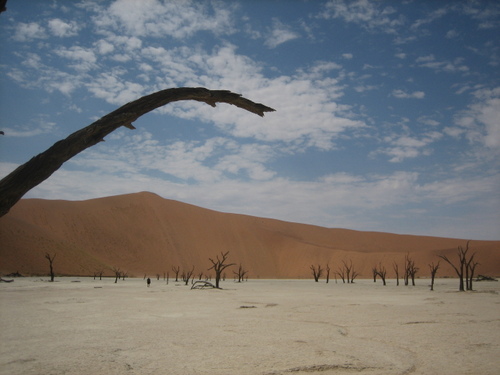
column 51, row 264
column 42, row 166
column 462, row 259
column 219, row 266
column 188, row 275
column 434, row 268
column 176, row 271
column 396, row 271
column 317, row 272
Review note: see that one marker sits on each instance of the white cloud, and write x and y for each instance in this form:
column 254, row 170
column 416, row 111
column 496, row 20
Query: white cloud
column 26, row 32
column 85, row 58
column 63, row 29
column 112, row 88
column 400, row 94
column 403, row 147
column 455, row 66
column 279, row 34
column 369, row 15
column 104, row 47
column 481, row 121
column 41, row 126
column 347, row 56
column 159, row 19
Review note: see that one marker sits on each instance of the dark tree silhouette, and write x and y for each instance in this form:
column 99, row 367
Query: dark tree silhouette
column 350, row 273
column 374, row 274
column 463, row 266
column 176, row 271
column 117, row 273
column 317, row 272
column 396, row 271
column 410, row 270
column 327, row 273
column 3, row 7
column 187, row 275
column 240, row 274
column 39, row 168
column 51, row 258
column 382, row 272
column 433, row 268
column 219, row 266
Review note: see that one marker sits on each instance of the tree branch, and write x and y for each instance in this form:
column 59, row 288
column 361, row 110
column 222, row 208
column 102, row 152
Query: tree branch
column 42, row 166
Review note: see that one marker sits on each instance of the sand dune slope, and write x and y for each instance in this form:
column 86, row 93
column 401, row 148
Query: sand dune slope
column 143, row 233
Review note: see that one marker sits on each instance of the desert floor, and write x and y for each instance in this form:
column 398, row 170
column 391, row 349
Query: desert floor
column 86, row 326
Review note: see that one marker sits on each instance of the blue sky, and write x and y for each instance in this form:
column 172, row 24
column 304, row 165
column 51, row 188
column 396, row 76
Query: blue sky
column 387, row 112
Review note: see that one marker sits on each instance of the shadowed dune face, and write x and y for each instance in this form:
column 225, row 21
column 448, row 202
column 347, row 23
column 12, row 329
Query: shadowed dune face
column 143, row 233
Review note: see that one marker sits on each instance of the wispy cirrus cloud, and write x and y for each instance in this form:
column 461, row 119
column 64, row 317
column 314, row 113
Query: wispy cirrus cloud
column 401, row 94
column 455, row 66
column 279, row 34
column 373, row 16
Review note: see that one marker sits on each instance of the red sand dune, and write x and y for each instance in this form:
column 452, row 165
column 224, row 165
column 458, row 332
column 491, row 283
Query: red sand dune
column 145, row 234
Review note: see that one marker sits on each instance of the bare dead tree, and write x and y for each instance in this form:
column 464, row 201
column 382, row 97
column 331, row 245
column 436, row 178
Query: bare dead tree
column 51, row 258
column 374, row 274
column 341, row 274
column 240, row 274
column 317, row 272
column 396, row 271
column 472, row 266
column 124, row 274
column 410, row 270
column 350, row 273
column 39, row 168
column 117, row 273
column 327, row 273
column 187, row 275
column 433, row 268
column 382, row 272
column 462, row 264
column 176, row 271
column 219, row 266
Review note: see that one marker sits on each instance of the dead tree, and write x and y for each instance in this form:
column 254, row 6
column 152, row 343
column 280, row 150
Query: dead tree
column 117, row 273
column 396, row 271
column 410, row 270
column 374, row 274
column 219, row 266
column 98, row 273
column 350, row 273
column 187, row 275
column 240, row 274
column 462, row 267
column 176, row 271
column 382, row 272
column 317, row 272
column 433, row 268
column 51, row 258
column 472, row 268
column 341, row 274
column 39, row 168
column 327, row 273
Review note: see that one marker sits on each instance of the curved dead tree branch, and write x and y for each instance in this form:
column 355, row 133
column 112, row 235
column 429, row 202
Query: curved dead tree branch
column 42, row 166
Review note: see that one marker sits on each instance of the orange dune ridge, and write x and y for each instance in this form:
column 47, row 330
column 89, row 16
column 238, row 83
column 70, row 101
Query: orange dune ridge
column 144, row 234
